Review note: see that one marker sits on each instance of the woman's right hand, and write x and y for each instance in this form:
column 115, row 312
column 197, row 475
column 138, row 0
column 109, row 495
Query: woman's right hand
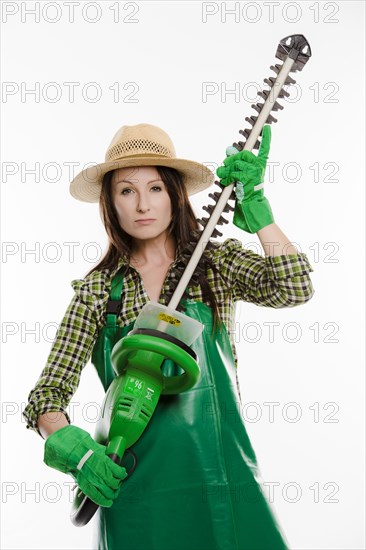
column 73, row 451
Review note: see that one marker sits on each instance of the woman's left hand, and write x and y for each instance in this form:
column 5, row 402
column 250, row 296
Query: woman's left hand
column 252, row 209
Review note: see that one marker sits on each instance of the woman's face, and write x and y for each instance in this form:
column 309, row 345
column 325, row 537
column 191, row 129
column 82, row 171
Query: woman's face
column 142, row 202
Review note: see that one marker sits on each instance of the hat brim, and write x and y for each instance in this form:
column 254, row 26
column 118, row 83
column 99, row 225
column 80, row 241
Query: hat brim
column 86, row 186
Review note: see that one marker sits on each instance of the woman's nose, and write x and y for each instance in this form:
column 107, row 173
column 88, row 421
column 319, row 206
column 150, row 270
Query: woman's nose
column 143, row 203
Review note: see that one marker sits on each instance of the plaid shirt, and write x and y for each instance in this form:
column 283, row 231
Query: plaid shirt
column 272, row 281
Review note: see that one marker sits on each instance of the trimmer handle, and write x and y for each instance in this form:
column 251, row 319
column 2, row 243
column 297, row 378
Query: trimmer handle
column 148, row 348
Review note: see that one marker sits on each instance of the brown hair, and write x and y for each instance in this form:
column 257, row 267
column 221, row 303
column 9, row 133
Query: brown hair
column 183, row 226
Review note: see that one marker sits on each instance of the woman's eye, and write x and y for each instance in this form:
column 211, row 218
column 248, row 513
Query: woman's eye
column 156, row 188
column 126, row 191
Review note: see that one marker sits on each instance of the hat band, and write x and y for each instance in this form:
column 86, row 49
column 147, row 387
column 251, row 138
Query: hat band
column 140, row 156
column 137, row 147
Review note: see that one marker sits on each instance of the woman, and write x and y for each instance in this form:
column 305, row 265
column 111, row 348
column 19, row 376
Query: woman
column 196, row 483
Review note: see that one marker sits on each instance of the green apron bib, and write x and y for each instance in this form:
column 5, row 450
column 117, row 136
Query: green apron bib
column 196, row 481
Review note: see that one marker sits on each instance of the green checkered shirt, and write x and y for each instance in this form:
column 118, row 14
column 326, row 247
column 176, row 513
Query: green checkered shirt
column 272, row 281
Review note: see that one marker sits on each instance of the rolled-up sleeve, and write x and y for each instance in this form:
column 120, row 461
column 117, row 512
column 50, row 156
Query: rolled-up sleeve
column 69, row 354
column 272, row 281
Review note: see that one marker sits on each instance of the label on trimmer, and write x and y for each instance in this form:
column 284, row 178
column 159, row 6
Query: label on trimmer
column 134, row 385
column 169, row 319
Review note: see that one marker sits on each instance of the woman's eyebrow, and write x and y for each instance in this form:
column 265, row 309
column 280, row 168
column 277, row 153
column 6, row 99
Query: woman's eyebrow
column 131, row 182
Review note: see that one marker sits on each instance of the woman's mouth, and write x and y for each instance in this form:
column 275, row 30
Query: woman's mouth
column 145, row 221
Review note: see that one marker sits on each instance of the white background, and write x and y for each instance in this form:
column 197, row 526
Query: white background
column 161, row 55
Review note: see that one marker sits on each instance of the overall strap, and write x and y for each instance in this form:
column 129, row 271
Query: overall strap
column 114, row 303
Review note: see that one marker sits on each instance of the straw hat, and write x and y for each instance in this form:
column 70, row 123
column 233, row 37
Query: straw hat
column 140, row 145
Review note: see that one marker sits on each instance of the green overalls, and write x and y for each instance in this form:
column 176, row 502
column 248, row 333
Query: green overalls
column 195, row 484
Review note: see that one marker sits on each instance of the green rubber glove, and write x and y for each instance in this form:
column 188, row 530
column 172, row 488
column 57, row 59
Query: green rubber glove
column 73, row 451
column 252, row 209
